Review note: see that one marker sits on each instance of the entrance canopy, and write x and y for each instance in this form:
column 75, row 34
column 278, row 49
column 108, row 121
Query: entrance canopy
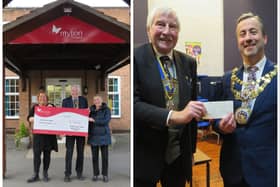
column 66, row 35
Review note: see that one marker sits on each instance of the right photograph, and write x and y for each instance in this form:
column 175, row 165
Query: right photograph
column 205, row 93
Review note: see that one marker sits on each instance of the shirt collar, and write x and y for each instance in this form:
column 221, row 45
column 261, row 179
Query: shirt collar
column 260, row 64
column 158, row 54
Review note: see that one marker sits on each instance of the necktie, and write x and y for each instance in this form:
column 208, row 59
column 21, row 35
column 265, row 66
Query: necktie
column 252, row 72
column 167, row 65
column 75, row 101
column 252, row 76
column 173, row 145
column 251, row 85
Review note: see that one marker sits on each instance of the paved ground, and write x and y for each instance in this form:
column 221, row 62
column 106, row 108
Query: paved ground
column 19, row 166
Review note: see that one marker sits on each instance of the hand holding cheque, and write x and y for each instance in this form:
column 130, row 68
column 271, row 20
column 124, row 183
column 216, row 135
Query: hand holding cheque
column 221, row 110
column 206, row 111
column 194, row 109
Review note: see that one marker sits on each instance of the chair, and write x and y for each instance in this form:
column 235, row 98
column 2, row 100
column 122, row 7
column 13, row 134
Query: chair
column 211, row 131
column 205, row 128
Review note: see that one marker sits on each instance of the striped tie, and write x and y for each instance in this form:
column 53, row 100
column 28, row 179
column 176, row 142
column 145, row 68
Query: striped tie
column 252, row 76
column 166, row 63
column 75, row 101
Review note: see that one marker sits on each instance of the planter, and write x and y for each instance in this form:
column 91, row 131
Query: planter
column 25, row 140
column 24, row 143
column 22, row 138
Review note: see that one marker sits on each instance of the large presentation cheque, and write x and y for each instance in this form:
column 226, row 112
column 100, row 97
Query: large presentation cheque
column 62, row 121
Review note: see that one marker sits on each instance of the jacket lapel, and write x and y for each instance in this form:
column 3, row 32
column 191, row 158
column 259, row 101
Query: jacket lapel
column 155, row 76
column 184, row 77
column 260, row 99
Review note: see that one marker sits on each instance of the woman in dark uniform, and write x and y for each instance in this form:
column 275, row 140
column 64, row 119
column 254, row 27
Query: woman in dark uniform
column 41, row 143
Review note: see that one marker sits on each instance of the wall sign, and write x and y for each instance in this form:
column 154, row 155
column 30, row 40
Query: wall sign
column 67, row 29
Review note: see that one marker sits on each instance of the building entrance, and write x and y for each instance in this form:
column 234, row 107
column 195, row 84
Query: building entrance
column 58, row 89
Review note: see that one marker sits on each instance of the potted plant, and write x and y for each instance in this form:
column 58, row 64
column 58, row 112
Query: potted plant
column 22, row 135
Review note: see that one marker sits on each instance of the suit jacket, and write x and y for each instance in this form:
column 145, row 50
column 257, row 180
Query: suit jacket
column 251, row 150
column 68, row 102
column 150, row 113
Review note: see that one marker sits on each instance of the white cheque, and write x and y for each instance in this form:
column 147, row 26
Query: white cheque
column 217, row 109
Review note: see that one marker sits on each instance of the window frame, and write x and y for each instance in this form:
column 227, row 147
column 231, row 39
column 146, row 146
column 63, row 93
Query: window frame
column 115, row 93
column 11, row 94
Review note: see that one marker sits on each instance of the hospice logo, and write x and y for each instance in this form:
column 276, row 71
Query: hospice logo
column 43, row 111
column 71, row 33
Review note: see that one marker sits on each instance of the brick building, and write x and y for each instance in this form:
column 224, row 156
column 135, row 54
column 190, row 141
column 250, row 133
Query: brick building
column 100, row 66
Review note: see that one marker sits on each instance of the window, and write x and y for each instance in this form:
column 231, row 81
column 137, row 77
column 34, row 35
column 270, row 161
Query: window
column 12, row 97
column 114, row 95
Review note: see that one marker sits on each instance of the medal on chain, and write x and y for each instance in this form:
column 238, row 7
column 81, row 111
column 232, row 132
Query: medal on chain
column 169, row 87
column 242, row 114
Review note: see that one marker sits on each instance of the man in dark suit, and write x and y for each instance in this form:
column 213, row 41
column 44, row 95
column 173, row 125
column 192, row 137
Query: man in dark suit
column 165, row 106
column 74, row 101
column 249, row 150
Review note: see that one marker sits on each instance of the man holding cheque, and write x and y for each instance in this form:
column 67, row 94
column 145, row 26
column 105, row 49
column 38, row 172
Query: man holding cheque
column 249, row 150
column 74, row 101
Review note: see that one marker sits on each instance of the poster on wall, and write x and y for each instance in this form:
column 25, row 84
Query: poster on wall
column 194, row 49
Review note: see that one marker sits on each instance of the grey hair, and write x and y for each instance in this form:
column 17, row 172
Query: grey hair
column 161, row 10
column 251, row 15
column 77, row 87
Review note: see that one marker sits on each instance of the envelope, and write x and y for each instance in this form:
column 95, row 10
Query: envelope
column 217, row 109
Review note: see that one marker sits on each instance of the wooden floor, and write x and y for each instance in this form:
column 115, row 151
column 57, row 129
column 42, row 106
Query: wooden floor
column 210, row 147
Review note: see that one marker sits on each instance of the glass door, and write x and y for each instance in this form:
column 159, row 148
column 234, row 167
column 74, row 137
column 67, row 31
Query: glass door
column 58, row 89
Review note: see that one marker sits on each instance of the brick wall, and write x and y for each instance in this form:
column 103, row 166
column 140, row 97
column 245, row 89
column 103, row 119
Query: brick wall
column 123, row 123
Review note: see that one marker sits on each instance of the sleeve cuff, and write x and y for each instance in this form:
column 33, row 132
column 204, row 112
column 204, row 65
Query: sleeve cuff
column 168, row 121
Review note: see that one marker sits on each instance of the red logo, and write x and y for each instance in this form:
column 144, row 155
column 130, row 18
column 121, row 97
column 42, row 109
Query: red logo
column 67, row 29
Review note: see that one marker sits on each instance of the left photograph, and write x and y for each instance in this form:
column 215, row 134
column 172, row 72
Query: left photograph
column 66, row 93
